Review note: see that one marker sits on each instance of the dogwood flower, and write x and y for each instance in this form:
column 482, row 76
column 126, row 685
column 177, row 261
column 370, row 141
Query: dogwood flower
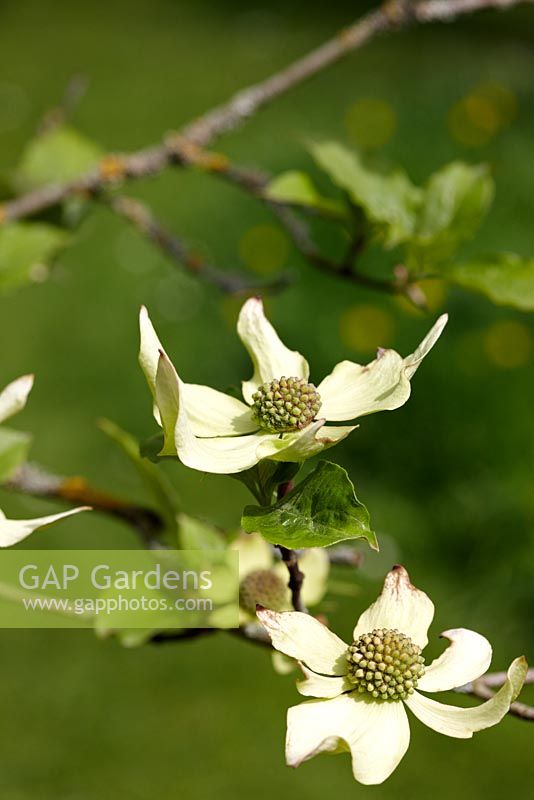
column 363, row 689
column 12, row 400
column 284, row 416
column 263, row 579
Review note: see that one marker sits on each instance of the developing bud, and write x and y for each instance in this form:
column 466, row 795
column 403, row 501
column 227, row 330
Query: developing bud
column 263, row 587
column 286, row 404
column 385, row 664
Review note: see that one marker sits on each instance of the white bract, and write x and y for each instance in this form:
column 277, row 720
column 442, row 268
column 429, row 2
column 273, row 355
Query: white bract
column 283, row 417
column 350, row 683
column 13, row 399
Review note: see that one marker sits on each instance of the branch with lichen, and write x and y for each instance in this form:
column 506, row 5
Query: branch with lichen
column 391, row 16
column 186, row 149
column 33, row 480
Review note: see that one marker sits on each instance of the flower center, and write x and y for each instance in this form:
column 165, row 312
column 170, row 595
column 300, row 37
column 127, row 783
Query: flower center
column 385, row 663
column 265, row 587
column 286, row 404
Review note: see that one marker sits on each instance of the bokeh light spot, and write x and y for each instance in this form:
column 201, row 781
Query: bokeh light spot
column 370, row 123
column 264, row 249
column 508, row 344
column 482, row 114
column 502, row 99
column 364, row 327
column 476, row 118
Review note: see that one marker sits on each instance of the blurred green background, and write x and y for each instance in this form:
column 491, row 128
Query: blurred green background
column 448, row 478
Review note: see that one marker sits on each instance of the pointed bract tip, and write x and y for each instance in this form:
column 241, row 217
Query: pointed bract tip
column 265, row 616
column 26, row 381
column 252, row 302
column 399, row 574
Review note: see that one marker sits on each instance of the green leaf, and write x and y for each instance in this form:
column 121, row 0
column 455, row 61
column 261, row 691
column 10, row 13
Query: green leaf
column 455, row 202
column 389, row 201
column 58, row 155
column 25, row 248
column 322, row 510
column 196, row 534
column 505, row 278
column 14, row 447
column 297, row 188
column 157, row 483
column 189, row 532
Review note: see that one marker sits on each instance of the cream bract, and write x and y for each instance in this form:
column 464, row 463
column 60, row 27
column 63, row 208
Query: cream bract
column 351, row 712
column 283, row 417
column 12, row 531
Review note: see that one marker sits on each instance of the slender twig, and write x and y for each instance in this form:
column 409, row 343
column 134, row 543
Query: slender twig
column 143, row 219
column 290, row 559
column 345, row 556
column 254, row 633
column 300, row 235
column 255, row 184
column 493, row 680
column 392, row 15
column 32, row 479
column 72, row 97
column 180, row 635
column 296, row 576
column 448, row 10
